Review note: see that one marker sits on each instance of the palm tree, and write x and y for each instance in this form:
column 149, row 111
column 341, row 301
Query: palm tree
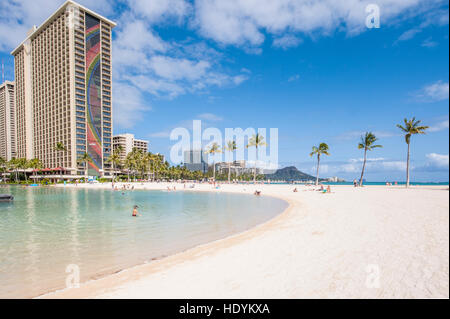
column 230, row 147
column 60, row 148
column 84, row 160
column 214, row 149
column 411, row 127
column 115, row 160
column 319, row 150
column 13, row 165
column 3, row 165
column 35, row 164
column 22, row 164
column 256, row 141
column 367, row 143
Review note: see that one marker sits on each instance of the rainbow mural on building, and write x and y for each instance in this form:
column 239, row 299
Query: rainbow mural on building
column 93, row 94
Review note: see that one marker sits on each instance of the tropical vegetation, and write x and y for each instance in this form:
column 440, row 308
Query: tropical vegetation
column 367, row 144
column 320, row 150
column 410, row 128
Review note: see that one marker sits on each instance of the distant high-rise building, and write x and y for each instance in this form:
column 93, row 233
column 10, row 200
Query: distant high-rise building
column 63, row 90
column 128, row 142
column 196, row 160
column 7, row 121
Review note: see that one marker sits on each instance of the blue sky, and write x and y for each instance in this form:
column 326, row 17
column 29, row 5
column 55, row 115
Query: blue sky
column 312, row 70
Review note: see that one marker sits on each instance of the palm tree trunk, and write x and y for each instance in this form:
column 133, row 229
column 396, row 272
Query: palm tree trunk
column 256, row 162
column 85, row 172
column 407, row 167
column 317, row 173
column 229, row 173
column 364, row 166
column 214, row 172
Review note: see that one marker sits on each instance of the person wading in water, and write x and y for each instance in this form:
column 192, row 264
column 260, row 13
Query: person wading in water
column 135, row 211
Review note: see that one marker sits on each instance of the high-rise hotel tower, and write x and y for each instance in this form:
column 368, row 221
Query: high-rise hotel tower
column 63, row 91
column 7, row 121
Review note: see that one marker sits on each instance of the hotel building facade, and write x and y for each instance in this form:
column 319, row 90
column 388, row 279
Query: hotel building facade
column 7, row 121
column 63, row 91
column 128, row 142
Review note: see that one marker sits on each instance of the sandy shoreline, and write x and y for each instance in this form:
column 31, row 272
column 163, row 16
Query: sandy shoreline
column 374, row 242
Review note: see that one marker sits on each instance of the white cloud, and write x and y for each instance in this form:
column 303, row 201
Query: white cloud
column 286, row 42
column 129, row 105
column 433, row 17
column 166, row 69
column 429, row 43
column 244, row 22
column 408, row 35
column 438, row 160
column 374, row 165
column 440, row 126
column 161, row 10
column 18, row 16
column 176, row 69
column 434, row 92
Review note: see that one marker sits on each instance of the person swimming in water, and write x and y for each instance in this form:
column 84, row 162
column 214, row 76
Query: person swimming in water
column 135, row 211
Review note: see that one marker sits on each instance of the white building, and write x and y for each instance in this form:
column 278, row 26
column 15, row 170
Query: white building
column 7, row 121
column 128, row 142
column 63, row 75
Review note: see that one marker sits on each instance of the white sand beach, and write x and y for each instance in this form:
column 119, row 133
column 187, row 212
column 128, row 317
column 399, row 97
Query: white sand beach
column 371, row 242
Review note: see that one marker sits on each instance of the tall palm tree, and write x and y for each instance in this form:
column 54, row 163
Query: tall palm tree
column 115, row 160
column 230, row 147
column 319, row 150
column 367, row 143
column 85, row 159
column 60, row 148
column 13, row 165
column 257, row 141
column 410, row 127
column 35, row 164
column 214, row 149
column 22, row 164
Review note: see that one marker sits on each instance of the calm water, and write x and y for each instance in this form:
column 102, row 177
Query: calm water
column 46, row 229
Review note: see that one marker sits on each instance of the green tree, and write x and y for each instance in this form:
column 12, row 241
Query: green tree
column 12, row 166
column 115, row 160
column 60, row 148
column 410, row 128
column 84, row 160
column 22, row 164
column 3, row 166
column 35, row 164
column 230, row 147
column 214, row 149
column 367, row 143
column 320, row 150
column 256, row 141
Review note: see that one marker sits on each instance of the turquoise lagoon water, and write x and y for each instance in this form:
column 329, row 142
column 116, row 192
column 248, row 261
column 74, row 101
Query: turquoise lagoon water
column 46, row 229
